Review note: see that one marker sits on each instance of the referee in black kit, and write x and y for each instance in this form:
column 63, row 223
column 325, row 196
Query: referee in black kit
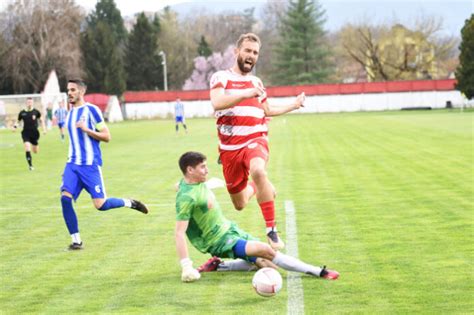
column 30, row 134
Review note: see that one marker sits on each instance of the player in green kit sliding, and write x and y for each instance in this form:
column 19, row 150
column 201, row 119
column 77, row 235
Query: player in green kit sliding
column 199, row 216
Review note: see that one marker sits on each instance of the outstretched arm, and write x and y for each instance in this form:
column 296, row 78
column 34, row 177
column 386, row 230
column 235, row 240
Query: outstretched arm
column 280, row 110
column 220, row 100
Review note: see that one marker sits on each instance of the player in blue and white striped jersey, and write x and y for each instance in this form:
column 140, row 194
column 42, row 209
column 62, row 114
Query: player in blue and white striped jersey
column 61, row 114
column 87, row 129
column 179, row 115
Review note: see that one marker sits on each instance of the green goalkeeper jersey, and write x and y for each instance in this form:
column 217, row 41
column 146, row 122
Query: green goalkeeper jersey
column 197, row 204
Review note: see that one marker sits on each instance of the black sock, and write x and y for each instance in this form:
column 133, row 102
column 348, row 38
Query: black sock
column 28, row 158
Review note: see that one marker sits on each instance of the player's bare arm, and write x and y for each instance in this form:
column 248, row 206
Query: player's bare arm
column 180, row 238
column 280, row 110
column 102, row 135
column 221, row 101
column 188, row 273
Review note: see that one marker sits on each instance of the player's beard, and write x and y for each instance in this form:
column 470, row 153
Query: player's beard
column 72, row 100
column 244, row 68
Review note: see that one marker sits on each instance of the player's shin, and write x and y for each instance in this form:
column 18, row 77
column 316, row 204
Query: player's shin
column 236, row 265
column 293, row 264
column 29, row 158
column 69, row 215
column 268, row 212
column 111, row 203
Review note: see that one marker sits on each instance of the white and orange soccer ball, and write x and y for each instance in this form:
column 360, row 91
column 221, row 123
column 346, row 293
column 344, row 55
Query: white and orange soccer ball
column 267, row 282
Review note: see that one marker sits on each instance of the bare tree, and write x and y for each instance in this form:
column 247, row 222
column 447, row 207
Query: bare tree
column 40, row 36
column 267, row 28
column 395, row 52
column 179, row 47
column 221, row 30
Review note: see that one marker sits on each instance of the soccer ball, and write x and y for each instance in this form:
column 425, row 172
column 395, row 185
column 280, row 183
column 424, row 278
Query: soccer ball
column 267, row 282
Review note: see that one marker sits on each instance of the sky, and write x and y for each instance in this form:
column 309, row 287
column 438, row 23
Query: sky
column 338, row 12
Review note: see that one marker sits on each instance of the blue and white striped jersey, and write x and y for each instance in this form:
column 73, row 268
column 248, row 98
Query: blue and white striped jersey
column 83, row 149
column 179, row 109
column 60, row 114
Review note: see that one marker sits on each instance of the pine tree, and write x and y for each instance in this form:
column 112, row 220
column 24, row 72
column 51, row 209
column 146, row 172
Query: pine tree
column 203, row 48
column 465, row 70
column 106, row 11
column 104, row 63
column 301, row 55
column 102, row 45
column 156, row 24
column 143, row 63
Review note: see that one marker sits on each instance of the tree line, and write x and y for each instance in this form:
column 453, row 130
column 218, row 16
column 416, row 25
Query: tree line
column 114, row 55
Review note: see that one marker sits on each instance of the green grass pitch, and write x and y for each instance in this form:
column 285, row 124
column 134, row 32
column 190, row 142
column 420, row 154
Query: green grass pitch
column 384, row 198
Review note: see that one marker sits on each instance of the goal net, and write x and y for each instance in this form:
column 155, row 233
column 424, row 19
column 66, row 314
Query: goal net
column 11, row 105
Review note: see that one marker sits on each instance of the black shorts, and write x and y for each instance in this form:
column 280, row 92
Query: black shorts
column 30, row 135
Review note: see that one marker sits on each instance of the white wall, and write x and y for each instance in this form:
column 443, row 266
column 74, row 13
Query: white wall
column 313, row 104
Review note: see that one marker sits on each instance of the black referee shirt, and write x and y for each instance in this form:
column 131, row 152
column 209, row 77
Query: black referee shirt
column 30, row 118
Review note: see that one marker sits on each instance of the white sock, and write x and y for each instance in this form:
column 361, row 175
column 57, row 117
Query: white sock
column 274, row 228
column 236, row 265
column 293, row 264
column 128, row 203
column 76, row 238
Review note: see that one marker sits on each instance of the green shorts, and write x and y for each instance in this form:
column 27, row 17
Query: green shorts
column 223, row 248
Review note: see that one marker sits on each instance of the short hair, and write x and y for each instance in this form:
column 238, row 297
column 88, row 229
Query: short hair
column 190, row 159
column 250, row 37
column 79, row 82
column 29, row 98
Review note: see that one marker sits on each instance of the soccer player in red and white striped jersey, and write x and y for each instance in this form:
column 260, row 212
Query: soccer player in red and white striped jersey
column 241, row 108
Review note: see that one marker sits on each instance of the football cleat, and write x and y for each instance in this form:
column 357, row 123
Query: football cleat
column 75, row 246
column 329, row 274
column 210, row 265
column 274, row 240
column 137, row 205
column 31, row 168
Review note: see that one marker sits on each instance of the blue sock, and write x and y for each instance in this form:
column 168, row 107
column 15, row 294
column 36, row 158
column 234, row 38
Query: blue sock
column 111, row 203
column 69, row 215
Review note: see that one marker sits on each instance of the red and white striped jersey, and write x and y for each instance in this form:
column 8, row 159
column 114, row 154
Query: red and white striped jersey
column 238, row 125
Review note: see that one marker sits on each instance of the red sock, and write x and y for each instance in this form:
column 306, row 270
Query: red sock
column 268, row 211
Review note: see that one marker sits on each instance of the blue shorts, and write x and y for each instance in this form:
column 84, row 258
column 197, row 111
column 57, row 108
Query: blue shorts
column 61, row 124
column 179, row 119
column 88, row 177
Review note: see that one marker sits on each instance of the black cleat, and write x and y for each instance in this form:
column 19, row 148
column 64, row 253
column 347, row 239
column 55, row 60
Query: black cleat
column 137, row 205
column 274, row 240
column 75, row 246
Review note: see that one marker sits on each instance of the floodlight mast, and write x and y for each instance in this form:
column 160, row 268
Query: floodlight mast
column 165, row 74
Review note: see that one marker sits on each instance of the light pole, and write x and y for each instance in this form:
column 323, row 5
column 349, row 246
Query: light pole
column 165, row 74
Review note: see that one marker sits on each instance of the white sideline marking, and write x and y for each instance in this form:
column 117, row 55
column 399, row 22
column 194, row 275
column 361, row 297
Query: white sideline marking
column 293, row 281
